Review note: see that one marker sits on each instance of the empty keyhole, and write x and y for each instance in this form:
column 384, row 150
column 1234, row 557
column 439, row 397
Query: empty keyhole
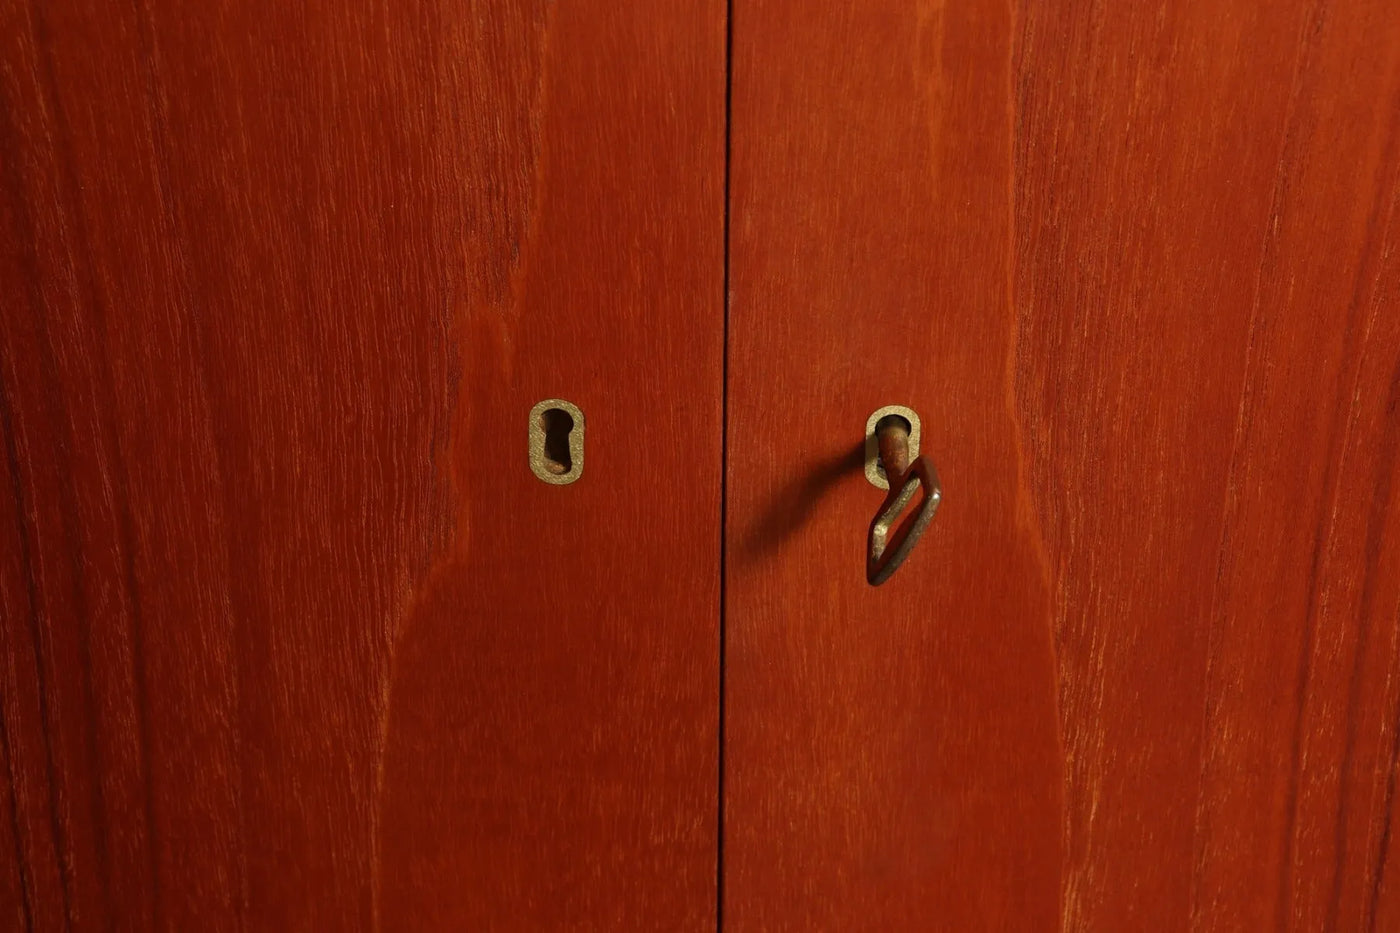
column 558, row 424
column 887, row 422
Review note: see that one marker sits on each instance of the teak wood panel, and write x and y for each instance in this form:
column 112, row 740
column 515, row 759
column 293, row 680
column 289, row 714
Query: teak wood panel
column 1208, row 382
column 1136, row 267
column 293, row 639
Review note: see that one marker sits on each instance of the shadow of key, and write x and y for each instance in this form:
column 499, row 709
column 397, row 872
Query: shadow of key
column 792, row 505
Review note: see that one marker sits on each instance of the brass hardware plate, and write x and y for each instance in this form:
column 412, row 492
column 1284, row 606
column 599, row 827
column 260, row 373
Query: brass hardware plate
column 873, row 471
column 549, row 469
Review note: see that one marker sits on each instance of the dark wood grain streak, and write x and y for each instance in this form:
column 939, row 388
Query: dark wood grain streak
column 20, row 886
column 1381, row 506
column 292, row 637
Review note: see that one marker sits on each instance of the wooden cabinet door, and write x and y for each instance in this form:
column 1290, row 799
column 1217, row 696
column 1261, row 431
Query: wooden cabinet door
column 292, row 636
column 1135, row 267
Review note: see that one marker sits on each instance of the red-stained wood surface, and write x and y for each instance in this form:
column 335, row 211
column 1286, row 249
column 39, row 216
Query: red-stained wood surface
column 1136, row 267
column 1208, row 384
column 292, row 637
column 891, row 753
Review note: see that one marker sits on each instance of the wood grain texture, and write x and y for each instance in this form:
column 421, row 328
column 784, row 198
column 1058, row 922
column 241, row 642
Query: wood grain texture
column 292, row 637
column 1135, row 265
column 1208, row 371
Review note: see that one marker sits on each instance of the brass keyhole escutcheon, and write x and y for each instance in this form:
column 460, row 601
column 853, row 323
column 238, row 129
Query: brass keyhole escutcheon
column 893, row 464
column 556, row 442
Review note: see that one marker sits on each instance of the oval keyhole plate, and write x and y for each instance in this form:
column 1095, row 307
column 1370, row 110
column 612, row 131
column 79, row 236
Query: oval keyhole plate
column 556, row 442
column 874, row 472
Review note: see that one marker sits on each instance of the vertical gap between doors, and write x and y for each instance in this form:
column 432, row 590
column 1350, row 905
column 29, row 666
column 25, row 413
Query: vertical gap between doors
column 724, row 460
